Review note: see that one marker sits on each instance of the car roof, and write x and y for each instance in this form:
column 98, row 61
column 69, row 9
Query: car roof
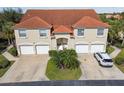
column 105, row 55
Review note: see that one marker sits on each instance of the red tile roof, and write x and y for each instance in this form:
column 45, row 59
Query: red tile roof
column 33, row 23
column 60, row 17
column 62, row 29
column 89, row 22
column 60, row 20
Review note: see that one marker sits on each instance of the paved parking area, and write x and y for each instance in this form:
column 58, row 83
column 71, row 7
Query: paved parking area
column 27, row 68
column 92, row 71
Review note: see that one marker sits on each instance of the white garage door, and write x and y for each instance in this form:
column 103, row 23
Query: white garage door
column 97, row 48
column 25, row 49
column 82, row 48
column 42, row 49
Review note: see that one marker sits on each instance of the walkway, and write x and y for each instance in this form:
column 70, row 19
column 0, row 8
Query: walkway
column 8, row 55
column 115, row 52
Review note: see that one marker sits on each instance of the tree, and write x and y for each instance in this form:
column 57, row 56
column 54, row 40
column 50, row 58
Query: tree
column 8, row 17
column 122, row 30
column 122, row 14
column 8, row 32
column 12, row 15
column 103, row 17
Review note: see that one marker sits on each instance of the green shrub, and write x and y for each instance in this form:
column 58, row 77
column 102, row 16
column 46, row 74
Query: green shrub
column 118, row 43
column 52, row 53
column 13, row 51
column 3, row 44
column 3, row 62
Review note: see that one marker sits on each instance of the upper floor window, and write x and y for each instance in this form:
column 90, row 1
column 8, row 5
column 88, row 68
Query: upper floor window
column 43, row 33
column 100, row 31
column 22, row 33
column 80, row 32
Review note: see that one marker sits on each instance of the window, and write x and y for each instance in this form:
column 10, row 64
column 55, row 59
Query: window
column 100, row 32
column 22, row 33
column 43, row 33
column 80, row 32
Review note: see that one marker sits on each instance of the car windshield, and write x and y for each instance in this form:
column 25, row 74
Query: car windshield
column 108, row 60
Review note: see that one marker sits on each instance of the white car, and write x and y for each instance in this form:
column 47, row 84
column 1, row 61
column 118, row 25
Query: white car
column 104, row 59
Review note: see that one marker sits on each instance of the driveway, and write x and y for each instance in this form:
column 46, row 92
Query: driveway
column 27, row 68
column 91, row 69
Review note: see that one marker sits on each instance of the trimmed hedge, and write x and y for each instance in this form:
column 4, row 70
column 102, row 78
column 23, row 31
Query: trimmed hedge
column 3, row 62
column 13, row 51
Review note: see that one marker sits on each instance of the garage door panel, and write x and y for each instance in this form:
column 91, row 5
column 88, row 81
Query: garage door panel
column 27, row 49
column 42, row 49
column 97, row 48
column 82, row 48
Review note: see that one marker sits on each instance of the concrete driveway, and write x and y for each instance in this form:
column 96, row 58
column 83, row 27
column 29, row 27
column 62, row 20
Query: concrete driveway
column 91, row 69
column 27, row 68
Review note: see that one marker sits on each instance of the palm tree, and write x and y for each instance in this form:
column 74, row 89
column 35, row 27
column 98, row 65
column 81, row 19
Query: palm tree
column 70, row 59
column 8, row 32
column 65, row 59
column 57, row 58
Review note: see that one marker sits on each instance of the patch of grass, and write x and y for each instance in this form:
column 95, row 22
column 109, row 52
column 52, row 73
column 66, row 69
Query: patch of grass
column 109, row 49
column 54, row 73
column 121, row 67
column 3, row 62
column 3, row 70
column 4, row 65
column 13, row 51
column 119, row 60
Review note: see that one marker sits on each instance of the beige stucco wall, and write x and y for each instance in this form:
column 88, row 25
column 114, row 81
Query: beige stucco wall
column 33, row 38
column 90, row 37
column 67, row 36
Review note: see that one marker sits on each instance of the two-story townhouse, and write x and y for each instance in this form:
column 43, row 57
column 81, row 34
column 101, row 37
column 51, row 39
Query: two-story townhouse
column 42, row 30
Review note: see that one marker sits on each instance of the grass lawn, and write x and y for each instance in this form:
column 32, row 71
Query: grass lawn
column 3, row 70
column 4, row 65
column 121, row 67
column 109, row 49
column 13, row 51
column 120, row 59
column 53, row 73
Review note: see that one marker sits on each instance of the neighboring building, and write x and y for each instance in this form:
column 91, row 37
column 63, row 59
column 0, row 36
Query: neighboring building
column 42, row 30
column 116, row 16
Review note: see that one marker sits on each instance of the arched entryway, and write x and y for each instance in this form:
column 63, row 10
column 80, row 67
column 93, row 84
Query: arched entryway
column 62, row 43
